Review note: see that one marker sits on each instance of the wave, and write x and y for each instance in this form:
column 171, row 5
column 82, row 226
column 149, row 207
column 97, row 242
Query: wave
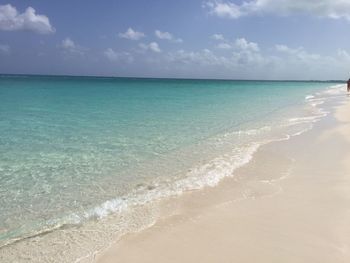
column 212, row 172
column 208, row 174
column 309, row 97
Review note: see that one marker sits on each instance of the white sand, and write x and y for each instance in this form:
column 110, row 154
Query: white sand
column 290, row 204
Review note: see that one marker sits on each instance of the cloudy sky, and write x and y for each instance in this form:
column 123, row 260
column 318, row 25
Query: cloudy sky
column 232, row 39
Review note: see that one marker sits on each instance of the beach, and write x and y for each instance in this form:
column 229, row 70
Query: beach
column 175, row 131
column 167, row 170
column 289, row 204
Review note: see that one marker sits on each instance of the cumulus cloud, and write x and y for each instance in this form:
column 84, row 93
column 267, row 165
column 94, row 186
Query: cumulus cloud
column 240, row 44
column 343, row 55
column 132, row 34
column 203, row 57
column 297, row 53
column 224, row 46
column 153, row 46
column 218, row 37
column 248, row 53
column 67, row 43
column 238, row 58
column 298, row 63
column 245, row 59
column 4, row 49
column 163, row 35
column 118, row 56
column 12, row 20
column 223, row 9
column 167, row 36
column 320, row 8
column 243, row 44
column 242, row 53
column 70, row 47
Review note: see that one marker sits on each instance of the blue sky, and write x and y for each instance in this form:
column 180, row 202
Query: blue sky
column 243, row 39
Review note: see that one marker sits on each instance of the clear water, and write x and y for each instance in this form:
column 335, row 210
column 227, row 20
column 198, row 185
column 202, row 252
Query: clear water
column 79, row 148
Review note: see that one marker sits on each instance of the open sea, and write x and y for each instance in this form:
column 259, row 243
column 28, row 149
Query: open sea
column 84, row 160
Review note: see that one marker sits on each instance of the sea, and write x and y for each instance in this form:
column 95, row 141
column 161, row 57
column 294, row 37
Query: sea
column 86, row 160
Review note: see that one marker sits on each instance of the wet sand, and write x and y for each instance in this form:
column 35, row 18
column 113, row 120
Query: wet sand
column 291, row 203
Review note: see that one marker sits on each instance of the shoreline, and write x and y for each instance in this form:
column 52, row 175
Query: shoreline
column 224, row 182
column 275, row 215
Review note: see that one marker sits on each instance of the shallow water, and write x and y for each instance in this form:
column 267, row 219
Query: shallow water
column 75, row 149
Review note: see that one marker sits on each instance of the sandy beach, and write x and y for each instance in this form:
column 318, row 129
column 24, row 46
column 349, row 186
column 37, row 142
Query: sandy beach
column 289, row 204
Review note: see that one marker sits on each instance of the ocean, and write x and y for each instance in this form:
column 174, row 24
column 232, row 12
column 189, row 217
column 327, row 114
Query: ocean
column 80, row 154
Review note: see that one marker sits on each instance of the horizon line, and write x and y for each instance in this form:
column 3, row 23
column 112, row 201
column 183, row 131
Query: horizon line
column 164, row 78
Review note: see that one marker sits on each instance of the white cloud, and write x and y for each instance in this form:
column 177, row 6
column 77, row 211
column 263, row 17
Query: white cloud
column 67, row 43
column 11, row 20
column 118, row 56
column 298, row 63
column 5, row 49
column 242, row 53
column 240, row 44
column 248, row 53
column 243, row 44
column 69, row 46
column 297, row 53
column 218, row 37
column 163, row 35
column 284, row 48
column 320, row 8
column 200, row 58
column 167, row 36
column 153, row 46
column 241, row 59
column 224, row 46
column 223, row 9
column 343, row 55
column 132, row 34
column 247, row 60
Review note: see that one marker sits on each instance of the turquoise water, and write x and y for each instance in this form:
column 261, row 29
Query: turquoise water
column 79, row 148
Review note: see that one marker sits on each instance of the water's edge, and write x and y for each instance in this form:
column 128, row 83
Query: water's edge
column 118, row 216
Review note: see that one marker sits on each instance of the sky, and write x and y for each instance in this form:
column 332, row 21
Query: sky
column 220, row 39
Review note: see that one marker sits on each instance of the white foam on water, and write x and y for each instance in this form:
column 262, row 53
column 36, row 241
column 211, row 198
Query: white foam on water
column 308, row 97
column 335, row 90
column 250, row 131
column 202, row 175
column 116, row 205
column 210, row 174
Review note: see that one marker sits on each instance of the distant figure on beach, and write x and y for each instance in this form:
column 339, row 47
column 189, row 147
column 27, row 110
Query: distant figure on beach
column 348, row 89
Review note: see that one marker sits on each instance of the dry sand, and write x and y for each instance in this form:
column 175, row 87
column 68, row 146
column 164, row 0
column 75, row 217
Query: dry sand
column 290, row 204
